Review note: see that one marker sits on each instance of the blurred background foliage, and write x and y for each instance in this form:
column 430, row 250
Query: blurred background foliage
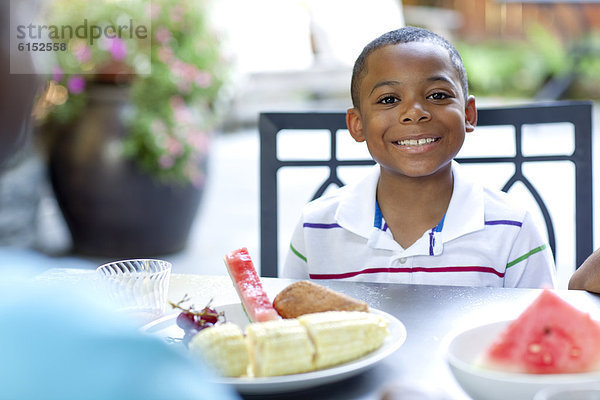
column 520, row 68
column 520, row 49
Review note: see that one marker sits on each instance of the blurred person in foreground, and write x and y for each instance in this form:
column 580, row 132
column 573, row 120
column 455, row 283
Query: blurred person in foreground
column 16, row 95
column 57, row 340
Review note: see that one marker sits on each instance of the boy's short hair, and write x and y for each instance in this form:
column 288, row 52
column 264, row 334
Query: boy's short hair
column 404, row 35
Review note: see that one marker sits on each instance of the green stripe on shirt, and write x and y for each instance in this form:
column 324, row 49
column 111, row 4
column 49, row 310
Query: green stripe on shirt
column 296, row 252
column 526, row 255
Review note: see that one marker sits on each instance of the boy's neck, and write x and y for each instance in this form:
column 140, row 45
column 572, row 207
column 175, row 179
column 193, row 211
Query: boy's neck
column 411, row 206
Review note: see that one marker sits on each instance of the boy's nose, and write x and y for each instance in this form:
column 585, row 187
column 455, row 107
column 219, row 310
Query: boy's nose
column 414, row 112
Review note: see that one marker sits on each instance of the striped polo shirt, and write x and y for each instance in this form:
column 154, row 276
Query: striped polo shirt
column 483, row 240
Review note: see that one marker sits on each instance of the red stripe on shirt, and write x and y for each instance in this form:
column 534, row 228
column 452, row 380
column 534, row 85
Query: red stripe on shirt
column 408, row 270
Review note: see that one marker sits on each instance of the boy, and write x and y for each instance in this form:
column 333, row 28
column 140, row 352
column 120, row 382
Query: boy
column 416, row 218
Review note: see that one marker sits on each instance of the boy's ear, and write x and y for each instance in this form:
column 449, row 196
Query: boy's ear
column 470, row 114
column 354, row 124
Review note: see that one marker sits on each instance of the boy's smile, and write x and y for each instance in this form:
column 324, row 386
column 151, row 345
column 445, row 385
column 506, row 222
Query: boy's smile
column 416, row 144
column 412, row 111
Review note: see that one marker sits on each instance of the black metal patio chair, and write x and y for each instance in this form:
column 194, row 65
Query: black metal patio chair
column 578, row 113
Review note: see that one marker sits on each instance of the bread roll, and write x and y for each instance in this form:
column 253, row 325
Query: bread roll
column 306, row 297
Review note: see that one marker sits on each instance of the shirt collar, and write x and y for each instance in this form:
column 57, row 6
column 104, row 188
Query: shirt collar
column 466, row 209
column 357, row 211
column 357, row 207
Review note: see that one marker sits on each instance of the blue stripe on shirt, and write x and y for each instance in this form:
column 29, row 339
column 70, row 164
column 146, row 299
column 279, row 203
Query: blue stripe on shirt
column 504, row 222
column 378, row 216
column 320, row 226
column 437, row 228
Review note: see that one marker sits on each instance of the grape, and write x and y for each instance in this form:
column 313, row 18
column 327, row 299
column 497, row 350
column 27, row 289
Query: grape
column 185, row 320
column 210, row 315
column 192, row 321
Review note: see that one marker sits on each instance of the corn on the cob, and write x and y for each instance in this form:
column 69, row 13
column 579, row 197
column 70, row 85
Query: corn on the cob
column 223, row 347
column 279, row 348
column 290, row 346
column 340, row 336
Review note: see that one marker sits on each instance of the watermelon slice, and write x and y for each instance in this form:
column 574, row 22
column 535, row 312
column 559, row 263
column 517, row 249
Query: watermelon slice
column 254, row 299
column 549, row 337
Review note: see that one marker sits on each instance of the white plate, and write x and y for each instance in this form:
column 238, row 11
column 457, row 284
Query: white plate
column 168, row 329
column 463, row 350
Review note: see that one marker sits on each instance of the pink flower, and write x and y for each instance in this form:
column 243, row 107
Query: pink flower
column 198, row 140
column 165, row 161
column 165, row 54
column 174, row 147
column 57, row 73
column 153, row 10
column 76, row 84
column 180, row 110
column 82, row 52
column 176, row 102
column 163, row 35
column 183, row 116
column 184, row 74
column 203, row 79
column 177, row 68
column 118, row 49
column 177, row 14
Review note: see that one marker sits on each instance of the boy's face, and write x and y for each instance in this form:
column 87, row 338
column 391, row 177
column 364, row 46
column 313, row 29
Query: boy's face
column 412, row 113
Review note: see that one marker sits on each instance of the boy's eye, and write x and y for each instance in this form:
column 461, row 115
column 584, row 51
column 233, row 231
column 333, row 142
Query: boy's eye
column 438, row 96
column 388, row 100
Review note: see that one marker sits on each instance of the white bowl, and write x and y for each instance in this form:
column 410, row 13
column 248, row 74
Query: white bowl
column 573, row 393
column 463, row 350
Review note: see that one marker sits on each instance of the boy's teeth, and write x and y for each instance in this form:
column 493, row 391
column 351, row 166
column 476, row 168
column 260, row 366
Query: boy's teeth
column 415, row 142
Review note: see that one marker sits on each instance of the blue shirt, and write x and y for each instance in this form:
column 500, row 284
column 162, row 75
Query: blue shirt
column 58, row 342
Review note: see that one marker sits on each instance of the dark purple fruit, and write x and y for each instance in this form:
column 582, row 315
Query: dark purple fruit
column 185, row 320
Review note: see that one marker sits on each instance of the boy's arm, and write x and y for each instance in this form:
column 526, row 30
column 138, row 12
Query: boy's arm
column 587, row 276
column 530, row 264
column 295, row 262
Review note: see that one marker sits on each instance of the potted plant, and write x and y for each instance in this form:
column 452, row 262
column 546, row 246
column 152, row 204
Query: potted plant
column 126, row 119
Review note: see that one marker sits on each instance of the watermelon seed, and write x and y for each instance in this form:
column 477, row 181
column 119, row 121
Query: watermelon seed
column 547, row 359
column 534, row 348
column 547, row 330
column 575, row 352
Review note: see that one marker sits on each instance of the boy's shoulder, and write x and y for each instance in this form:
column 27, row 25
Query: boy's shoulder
column 497, row 205
column 329, row 201
column 500, row 205
column 356, row 194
